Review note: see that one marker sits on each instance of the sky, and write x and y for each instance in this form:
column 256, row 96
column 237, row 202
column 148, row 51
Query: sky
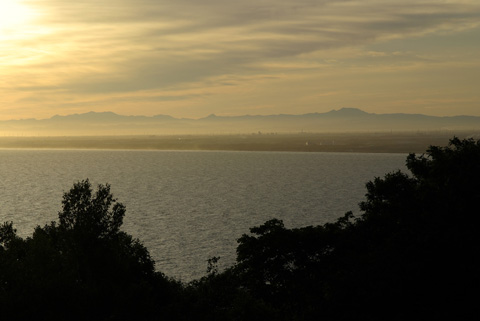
column 192, row 58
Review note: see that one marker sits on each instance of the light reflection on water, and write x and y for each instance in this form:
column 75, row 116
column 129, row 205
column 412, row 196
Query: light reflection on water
column 187, row 206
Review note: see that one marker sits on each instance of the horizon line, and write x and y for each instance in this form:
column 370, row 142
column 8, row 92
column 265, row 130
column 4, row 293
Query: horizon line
column 230, row 116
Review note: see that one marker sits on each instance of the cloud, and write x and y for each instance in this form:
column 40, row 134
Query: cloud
column 119, row 46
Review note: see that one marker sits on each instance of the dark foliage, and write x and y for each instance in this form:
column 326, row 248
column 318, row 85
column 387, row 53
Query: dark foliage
column 411, row 254
column 84, row 268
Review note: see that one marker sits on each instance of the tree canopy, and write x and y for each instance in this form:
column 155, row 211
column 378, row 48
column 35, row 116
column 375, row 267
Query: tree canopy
column 97, row 214
column 83, row 266
column 410, row 254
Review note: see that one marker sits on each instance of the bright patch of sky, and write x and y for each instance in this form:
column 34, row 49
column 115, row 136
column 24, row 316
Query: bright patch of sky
column 192, row 58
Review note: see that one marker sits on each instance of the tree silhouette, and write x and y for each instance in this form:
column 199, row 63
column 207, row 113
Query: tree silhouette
column 83, row 268
column 410, row 254
column 98, row 215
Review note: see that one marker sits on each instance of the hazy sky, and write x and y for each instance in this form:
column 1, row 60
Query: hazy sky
column 191, row 58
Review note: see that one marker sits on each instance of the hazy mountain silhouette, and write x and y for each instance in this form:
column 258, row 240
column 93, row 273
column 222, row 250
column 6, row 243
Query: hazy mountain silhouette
column 342, row 120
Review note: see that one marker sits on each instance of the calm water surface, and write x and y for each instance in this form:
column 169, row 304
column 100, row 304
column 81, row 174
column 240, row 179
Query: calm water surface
column 187, row 206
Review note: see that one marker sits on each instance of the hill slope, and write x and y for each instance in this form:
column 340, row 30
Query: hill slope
column 342, row 120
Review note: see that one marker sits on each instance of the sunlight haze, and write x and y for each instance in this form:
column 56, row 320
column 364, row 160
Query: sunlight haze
column 190, row 58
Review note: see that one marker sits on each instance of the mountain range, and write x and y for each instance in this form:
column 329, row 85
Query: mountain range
column 342, row 120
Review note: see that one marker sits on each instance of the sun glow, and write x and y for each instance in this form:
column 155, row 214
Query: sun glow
column 12, row 15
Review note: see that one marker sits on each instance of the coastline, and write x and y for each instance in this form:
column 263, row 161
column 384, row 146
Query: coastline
column 391, row 142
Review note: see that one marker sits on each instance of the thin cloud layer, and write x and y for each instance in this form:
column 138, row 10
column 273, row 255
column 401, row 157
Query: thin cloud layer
column 178, row 57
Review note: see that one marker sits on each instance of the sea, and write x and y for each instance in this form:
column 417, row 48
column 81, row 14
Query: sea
column 189, row 206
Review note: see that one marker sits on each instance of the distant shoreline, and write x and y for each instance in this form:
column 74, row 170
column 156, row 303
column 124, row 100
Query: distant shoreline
column 302, row 142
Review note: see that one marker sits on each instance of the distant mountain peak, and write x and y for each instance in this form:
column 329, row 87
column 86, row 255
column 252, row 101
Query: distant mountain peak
column 162, row 116
column 211, row 116
column 349, row 111
column 89, row 116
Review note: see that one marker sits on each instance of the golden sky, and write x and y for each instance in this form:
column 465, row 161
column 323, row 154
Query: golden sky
column 191, row 58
